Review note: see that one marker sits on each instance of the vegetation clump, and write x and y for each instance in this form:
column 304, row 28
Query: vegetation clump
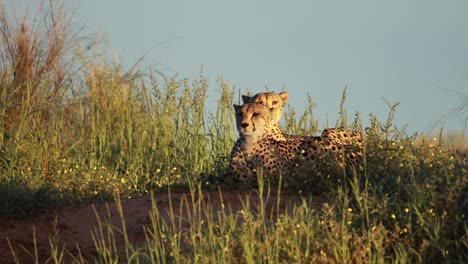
column 74, row 127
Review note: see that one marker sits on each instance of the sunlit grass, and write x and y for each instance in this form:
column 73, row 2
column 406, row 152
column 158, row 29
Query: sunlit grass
column 75, row 128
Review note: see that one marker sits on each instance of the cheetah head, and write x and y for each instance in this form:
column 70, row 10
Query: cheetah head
column 275, row 102
column 253, row 119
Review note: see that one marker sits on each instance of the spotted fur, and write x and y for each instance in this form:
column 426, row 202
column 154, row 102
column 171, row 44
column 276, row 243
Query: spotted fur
column 258, row 147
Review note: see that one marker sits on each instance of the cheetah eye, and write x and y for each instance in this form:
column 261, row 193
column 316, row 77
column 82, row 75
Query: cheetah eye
column 255, row 114
column 275, row 102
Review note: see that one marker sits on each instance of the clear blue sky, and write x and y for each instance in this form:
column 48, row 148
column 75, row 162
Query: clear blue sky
column 406, row 51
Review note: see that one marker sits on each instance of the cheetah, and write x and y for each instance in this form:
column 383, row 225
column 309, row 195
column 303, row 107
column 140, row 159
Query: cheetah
column 276, row 104
column 257, row 147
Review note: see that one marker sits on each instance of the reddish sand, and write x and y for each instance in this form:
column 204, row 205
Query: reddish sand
column 74, row 224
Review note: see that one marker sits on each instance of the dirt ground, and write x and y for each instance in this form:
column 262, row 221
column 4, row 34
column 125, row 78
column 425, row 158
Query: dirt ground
column 74, row 225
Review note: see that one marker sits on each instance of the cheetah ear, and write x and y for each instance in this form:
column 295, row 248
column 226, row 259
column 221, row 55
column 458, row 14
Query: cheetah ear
column 246, row 99
column 284, row 97
column 237, row 107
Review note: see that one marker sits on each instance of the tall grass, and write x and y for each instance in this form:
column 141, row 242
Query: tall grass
column 73, row 121
column 75, row 127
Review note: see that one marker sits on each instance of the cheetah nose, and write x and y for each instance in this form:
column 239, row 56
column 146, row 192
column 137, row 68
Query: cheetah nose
column 244, row 125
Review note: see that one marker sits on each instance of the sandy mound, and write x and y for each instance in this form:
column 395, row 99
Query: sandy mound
column 74, row 225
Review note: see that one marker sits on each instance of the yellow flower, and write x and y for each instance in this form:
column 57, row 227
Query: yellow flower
column 393, row 216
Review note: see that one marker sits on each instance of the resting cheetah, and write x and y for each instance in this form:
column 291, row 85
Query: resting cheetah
column 257, row 147
column 276, row 103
